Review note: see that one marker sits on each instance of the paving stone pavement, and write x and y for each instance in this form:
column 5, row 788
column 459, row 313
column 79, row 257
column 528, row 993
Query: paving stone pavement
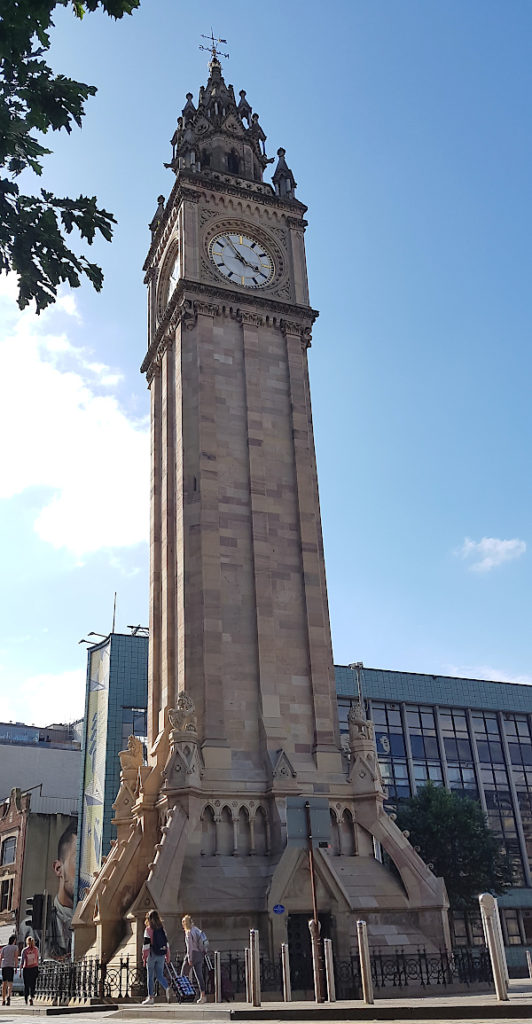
column 99, row 1018
column 474, row 1007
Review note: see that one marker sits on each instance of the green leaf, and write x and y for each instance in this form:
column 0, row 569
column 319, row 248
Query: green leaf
column 33, row 100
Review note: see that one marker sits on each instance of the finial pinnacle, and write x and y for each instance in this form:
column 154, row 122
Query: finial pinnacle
column 213, row 48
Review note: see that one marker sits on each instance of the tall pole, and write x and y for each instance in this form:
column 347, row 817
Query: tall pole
column 358, row 666
column 314, row 925
column 44, row 922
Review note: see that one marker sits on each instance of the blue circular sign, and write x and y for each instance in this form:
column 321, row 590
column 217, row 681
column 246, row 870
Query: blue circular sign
column 278, row 908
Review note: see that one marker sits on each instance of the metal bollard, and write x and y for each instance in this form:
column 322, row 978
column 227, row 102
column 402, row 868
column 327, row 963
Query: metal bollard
column 247, row 974
column 254, row 965
column 487, row 911
column 285, row 966
column 365, row 962
column 329, row 970
column 217, row 977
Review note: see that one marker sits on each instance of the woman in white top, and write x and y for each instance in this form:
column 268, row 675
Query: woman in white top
column 194, row 955
column 8, row 963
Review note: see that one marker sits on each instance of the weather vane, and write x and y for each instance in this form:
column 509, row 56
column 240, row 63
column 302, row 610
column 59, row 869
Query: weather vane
column 212, row 49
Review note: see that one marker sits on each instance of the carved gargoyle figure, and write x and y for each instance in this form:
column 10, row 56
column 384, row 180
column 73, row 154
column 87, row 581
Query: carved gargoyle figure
column 183, row 716
column 132, row 758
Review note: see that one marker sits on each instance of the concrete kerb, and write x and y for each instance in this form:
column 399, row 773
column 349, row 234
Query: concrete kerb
column 443, row 1007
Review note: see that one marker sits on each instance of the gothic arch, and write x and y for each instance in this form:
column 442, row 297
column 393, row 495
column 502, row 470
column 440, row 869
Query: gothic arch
column 244, row 832
column 261, row 831
column 233, row 162
column 208, row 832
column 347, row 834
column 335, row 834
column 225, row 833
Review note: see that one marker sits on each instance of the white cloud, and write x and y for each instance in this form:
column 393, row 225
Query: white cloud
column 486, row 554
column 65, row 437
column 46, row 698
column 494, row 675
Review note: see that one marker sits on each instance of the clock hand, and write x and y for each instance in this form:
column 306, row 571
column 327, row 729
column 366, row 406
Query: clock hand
column 235, row 250
column 240, row 257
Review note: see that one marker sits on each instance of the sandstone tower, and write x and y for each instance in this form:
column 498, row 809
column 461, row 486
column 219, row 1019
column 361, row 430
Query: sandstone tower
column 242, row 706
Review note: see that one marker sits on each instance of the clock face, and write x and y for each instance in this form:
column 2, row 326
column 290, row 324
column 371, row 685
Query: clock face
column 172, row 279
column 242, row 259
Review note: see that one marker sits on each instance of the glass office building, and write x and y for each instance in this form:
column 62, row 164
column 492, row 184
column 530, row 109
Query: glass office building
column 474, row 737
column 115, row 708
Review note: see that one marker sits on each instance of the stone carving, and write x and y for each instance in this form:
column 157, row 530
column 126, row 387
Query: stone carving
column 207, row 270
column 281, row 234
column 187, row 315
column 283, row 767
column 184, row 766
column 207, row 308
column 183, row 717
column 285, row 290
column 205, row 215
column 292, row 327
column 132, row 758
column 359, row 726
column 250, row 319
column 363, row 754
column 166, row 342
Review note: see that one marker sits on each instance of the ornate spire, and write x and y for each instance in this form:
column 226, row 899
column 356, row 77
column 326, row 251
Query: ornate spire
column 157, row 217
column 217, row 135
column 283, row 179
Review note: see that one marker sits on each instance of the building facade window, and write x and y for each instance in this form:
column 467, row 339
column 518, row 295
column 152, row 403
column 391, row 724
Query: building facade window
column 467, row 929
column 391, row 749
column 134, row 723
column 9, row 849
column 424, row 745
column 494, row 779
column 458, row 752
column 511, row 924
column 517, row 730
column 6, row 894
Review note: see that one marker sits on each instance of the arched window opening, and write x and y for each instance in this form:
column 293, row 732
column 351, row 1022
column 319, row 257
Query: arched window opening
column 208, row 833
column 243, row 833
column 225, row 833
column 335, row 836
column 347, row 835
column 233, row 163
column 261, row 836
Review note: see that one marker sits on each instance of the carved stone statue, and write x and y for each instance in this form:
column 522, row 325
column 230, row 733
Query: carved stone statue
column 359, row 726
column 132, row 758
column 183, row 717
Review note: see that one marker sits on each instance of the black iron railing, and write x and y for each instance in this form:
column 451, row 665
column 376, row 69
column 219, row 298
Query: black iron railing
column 122, row 979
column 422, row 970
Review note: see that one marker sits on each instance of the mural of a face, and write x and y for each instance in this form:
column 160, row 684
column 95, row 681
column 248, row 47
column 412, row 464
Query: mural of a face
column 65, row 869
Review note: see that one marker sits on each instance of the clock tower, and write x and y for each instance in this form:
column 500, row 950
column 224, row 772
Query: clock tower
column 242, row 705
column 239, row 618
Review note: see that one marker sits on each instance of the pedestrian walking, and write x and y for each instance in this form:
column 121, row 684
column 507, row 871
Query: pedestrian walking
column 29, row 963
column 196, row 947
column 155, row 952
column 8, row 963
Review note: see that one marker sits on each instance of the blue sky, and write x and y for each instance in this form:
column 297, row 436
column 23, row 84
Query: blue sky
column 407, row 126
